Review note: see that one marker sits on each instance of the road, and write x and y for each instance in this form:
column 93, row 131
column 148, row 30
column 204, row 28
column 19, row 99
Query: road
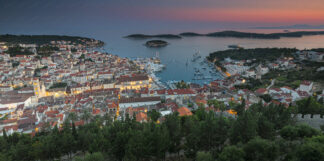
column 272, row 83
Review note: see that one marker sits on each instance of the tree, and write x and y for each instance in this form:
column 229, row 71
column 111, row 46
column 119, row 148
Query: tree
column 244, row 128
column 86, row 116
column 74, row 131
column 289, row 132
column 72, row 117
column 154, row 115
column 136, row 148
column 204, row 156
column 172, row 122
column 232, row 153
column 299, row 131
column 267, row 98
column 4, row 134
column 312, row 150
column 182, row 85
column 310, row 106
column 265, row 128
column 260, row 150
column 240, row 108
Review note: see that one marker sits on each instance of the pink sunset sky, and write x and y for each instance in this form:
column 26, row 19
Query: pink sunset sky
column 237, row 13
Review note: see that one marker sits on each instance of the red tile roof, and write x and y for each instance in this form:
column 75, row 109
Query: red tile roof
column 141, row 116
column 183, row 111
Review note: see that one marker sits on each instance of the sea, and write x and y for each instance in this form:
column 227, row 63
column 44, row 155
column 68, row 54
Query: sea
column 178, row 55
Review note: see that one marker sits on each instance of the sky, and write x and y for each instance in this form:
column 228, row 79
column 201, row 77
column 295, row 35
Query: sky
column 149, row 14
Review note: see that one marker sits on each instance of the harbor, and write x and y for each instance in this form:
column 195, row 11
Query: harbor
column 203, row 71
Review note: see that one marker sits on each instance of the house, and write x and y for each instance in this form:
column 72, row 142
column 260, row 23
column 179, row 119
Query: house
column 262, row 70
column 133, row 82
column 105, row 75
column 250, row 73
column 275, row 91
column 306, row 86
column 5, row 88
column 303, row 94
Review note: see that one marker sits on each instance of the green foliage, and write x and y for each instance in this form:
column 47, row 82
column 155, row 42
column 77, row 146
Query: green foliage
column 312, row 150
column 245, row 128
column 58, row 85
column 15, row 64
column 299, row 131
column 267, row 98
column 218, row 105
column 82, row 57
column 46, row 50
column 74, row 50
column 204, row 156
column 154, row 115
column 310, row 106
column 17, row 50
column 42, row 39
column 232, row 153
column 182, row 85
column 253, row 135
column 261, row 150
column 260, row 54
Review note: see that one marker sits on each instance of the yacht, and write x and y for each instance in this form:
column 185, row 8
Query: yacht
column 196, row 56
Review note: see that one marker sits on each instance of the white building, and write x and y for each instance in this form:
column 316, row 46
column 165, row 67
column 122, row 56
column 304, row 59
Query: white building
column 138, row 102
column 306, row 86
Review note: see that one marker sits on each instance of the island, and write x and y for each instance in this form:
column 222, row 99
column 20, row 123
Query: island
column 156, row 43
column 235, row 34
column 143, row 36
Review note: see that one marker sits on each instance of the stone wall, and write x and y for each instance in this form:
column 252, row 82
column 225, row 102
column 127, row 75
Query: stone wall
column 316, row 121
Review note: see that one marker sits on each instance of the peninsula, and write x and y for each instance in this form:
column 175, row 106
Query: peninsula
column 47, row 39
column 44, row 45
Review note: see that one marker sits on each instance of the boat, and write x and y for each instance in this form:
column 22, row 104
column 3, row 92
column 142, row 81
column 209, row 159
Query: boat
column 208, row 77
column 196, row 56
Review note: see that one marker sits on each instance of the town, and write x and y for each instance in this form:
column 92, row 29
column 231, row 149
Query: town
column 77, row 84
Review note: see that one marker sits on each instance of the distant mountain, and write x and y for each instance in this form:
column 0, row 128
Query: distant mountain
column 297, row 26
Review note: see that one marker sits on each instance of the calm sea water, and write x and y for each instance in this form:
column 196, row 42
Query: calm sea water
column 175, row 55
